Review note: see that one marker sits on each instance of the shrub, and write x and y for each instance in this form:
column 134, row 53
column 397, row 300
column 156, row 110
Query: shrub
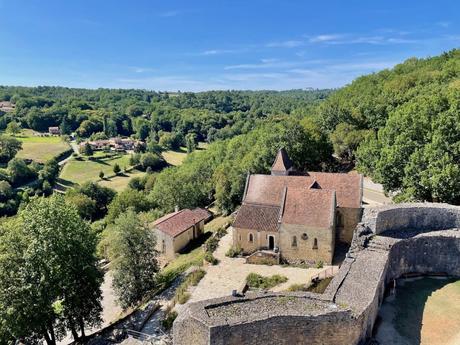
column 195, row 277
column 168, row 321
column 211, row 244
column 210, row 258
column 234, row 252
column 256, row 281
column 319, row 264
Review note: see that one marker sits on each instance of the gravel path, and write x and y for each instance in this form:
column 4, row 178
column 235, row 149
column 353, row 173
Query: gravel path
column 231, row 273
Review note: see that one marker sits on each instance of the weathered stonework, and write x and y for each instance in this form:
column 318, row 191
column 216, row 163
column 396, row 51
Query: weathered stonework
column 391, row 241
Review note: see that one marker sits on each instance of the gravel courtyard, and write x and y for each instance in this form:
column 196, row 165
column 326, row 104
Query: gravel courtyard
column 231, row 273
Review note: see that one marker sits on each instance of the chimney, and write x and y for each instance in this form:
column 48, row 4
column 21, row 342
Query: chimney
column 176, row 208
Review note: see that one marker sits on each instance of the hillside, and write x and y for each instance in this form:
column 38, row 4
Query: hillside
column 406, row 123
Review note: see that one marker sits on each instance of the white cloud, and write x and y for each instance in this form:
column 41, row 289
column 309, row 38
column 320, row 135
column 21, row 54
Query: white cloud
column 443, row 24
column 136, row 69
column 325, row 38
column 169, row 14
column 285, row 44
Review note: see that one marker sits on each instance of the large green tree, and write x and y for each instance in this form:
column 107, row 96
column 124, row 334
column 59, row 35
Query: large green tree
column 131, row 247
column 49, row 280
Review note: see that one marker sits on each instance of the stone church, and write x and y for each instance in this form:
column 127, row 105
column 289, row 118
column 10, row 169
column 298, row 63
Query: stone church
column 300, row 215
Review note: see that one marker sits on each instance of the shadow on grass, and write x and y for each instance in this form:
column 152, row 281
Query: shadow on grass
column 409, row 304
column 196, row 243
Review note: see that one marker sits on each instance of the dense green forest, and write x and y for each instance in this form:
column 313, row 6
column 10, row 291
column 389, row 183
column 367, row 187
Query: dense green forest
column 402, row 127
column 210, row 115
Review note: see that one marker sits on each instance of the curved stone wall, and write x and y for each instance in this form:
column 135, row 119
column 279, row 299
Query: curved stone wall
column 391, row 241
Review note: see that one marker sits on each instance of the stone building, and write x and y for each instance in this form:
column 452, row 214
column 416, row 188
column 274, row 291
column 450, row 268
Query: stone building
column 301, row 215
column 175, row 230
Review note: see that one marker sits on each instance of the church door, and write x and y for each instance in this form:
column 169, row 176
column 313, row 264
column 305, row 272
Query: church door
column 271, row 242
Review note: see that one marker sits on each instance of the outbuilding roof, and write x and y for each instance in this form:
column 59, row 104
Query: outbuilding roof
column 174, row 224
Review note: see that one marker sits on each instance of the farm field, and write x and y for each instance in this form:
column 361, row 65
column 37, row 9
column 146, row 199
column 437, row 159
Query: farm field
column 40, row 149
column 80, row 171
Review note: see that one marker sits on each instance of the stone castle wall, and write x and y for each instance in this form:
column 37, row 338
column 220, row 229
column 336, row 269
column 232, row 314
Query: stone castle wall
column 391, row 241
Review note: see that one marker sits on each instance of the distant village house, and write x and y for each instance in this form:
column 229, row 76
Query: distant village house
column 115, row 144
column 175, row 230
column 54, row 130
column 301, row 216
column 7, row 106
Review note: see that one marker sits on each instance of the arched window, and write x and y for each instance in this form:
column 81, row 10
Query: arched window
column 315, row 243
column 251, row 238
column 294, row 241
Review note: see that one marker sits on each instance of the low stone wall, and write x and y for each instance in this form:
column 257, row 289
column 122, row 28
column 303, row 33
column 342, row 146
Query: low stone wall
column 391, row 241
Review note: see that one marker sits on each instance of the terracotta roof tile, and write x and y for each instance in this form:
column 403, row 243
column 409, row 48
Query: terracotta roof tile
column 174, row 224
column 257, row 217
column 267, row 189
column 282, row 161
column 312, row 207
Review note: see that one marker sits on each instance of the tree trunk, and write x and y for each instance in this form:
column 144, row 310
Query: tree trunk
column 49, row 340
column 74, row 333
column 82, row 327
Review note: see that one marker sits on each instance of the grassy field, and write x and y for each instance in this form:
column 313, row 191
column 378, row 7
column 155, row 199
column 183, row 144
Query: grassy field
column 424, row 311
column 177, row 157
column 79, row 171
column 121, row 182
column 38, row 148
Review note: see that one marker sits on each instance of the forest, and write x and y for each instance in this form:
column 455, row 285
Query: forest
column 401, row 127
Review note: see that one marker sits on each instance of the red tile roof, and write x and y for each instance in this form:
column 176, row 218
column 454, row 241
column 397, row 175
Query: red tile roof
column 257, row 217
column 312, row 207
column 268, row 189
column 174, row 224
column 282, row 162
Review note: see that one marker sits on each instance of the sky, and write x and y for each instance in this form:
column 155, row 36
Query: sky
column 207, row 45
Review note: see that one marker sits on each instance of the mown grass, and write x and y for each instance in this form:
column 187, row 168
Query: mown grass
column 175, row 157
column 80, row 171
column 120, row 182
column 40, row 149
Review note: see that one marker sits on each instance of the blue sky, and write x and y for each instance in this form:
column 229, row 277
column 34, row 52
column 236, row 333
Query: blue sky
column 202, row 45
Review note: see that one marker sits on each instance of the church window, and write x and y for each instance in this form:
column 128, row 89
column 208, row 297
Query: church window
column 315, row 243
column 251, row 238
column 294, row 241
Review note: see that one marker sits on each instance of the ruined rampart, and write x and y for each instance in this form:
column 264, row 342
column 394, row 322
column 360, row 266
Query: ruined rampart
column 391, row 241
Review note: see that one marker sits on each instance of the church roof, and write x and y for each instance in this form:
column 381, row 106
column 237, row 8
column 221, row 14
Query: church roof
column 282, row 161
column 267, row 189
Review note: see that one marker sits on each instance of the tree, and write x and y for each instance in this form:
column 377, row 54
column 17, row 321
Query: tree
column 101, row 175
column 191, row 142
column 116, row 169
column 346, row 139
column 86, row 207
column 9, row 147
column 13, row 128
column 19, row 171
column 50, row 172
column 87, row 150
column 101, row 195
column 65, row 126
column 131, row 248
column 47, row 288
column 128, row 199
column 151, row 160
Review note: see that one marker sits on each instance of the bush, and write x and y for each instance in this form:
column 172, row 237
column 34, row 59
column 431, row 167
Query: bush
column 195, row 277
column 319, row 264
column 256, row 281
column 211, row 244
column 234, row 252
column 210, row 258
column 168, row 321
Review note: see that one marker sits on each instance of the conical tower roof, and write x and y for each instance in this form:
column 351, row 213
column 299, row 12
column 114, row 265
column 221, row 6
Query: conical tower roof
column 283, row 164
